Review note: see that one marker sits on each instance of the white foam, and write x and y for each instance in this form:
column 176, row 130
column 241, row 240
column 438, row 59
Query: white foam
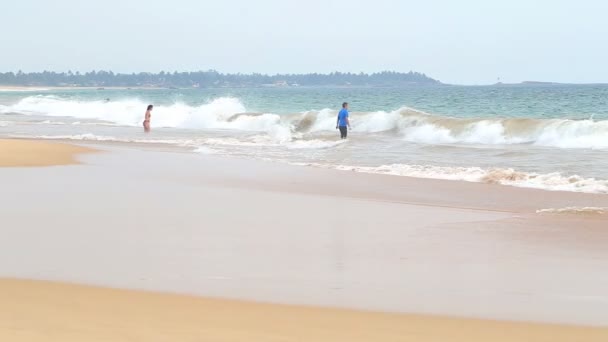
column 428, row 134
column 561, row 133
column 84, row 137
column 376, row 122
column 574, row 210
column 255, row 141
column 205, row 150
column 552, row 181
column 504, row 176
column 130, row 112
column 323, row 120
column 410, row 124
column 314, row 144
column 105, row 138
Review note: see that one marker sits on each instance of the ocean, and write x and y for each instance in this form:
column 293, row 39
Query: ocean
column 552, row 137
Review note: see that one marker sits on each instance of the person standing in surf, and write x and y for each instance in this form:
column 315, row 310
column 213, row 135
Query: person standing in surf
column 343, row 124
column 147, row 119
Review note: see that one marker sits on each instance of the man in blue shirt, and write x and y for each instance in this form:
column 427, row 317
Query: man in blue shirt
column 343, row 123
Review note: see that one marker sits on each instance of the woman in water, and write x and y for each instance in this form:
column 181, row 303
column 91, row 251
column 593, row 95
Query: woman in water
column 147, row 119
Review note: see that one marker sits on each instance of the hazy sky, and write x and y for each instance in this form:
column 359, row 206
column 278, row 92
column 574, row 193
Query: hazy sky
column 455, row 41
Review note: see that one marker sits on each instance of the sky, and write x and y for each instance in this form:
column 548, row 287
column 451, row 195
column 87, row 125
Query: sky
column 456, row 41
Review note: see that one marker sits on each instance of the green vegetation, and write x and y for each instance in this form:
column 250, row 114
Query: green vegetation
column 211, row 78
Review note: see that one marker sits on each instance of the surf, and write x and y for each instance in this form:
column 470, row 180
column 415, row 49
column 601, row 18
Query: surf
column 407, row 124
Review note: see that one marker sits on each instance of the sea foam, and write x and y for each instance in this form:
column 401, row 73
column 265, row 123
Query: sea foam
column 575, row 210
column 411, row 125
column 511, row 177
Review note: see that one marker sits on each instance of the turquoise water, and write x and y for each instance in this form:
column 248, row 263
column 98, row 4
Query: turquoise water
column 548, row 137
column 517, row 101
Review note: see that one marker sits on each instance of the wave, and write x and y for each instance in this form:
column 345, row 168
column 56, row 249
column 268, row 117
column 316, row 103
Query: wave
column 203, row 145
column 575, row 210
column 129, row 112
column 560, row 133
column 191, row 143
column 511, row 177
column 504, row 176
column 406, row 123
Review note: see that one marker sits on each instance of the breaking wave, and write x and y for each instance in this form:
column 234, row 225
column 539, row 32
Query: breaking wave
column 105, row 138
column 550, row 181
column 198, row 144
column 504, row 176
column 575, row 210
column 408, row 124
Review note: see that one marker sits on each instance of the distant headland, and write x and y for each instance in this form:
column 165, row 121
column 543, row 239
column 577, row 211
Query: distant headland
column 543, row 84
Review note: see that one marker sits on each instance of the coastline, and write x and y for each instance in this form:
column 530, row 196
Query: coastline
column 216, row 227
column 46, row 311
column 49, row 88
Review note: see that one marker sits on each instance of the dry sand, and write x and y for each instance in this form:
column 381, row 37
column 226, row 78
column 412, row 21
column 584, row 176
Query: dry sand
column 22, row 88
column 23, row 153
column 51, row 312
column 8, row 88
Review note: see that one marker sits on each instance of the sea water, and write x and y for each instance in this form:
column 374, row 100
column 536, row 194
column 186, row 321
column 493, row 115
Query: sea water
column 552, row 137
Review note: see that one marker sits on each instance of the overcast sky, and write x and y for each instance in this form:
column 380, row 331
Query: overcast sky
column 455, row 41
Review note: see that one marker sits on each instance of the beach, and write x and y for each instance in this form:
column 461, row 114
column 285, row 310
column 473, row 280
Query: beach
column 44, row 311
column 203, row 243
column 541, row 137
column 27, row 153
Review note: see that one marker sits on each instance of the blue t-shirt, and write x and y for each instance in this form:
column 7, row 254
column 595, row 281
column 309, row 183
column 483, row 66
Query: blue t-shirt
column 342, row 116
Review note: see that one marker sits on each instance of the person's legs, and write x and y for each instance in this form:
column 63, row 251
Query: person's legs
column 343, row 132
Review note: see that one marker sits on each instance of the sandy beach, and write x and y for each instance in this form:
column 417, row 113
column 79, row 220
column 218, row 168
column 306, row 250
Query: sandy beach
column 23, row 153
column 8, row 88
column 44, row 311
column 443, row 260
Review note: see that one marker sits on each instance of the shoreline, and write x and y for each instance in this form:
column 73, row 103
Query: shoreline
column 200, row 226
column 37, row 152
column 48, row 311
column 168, row 147
column 32, row 152
column 51, row 88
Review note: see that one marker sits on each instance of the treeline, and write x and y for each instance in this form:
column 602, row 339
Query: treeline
column 210, row 78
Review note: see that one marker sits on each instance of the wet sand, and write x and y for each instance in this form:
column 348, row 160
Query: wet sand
column 255, row 231
column 20, row 153
column 42, row 311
